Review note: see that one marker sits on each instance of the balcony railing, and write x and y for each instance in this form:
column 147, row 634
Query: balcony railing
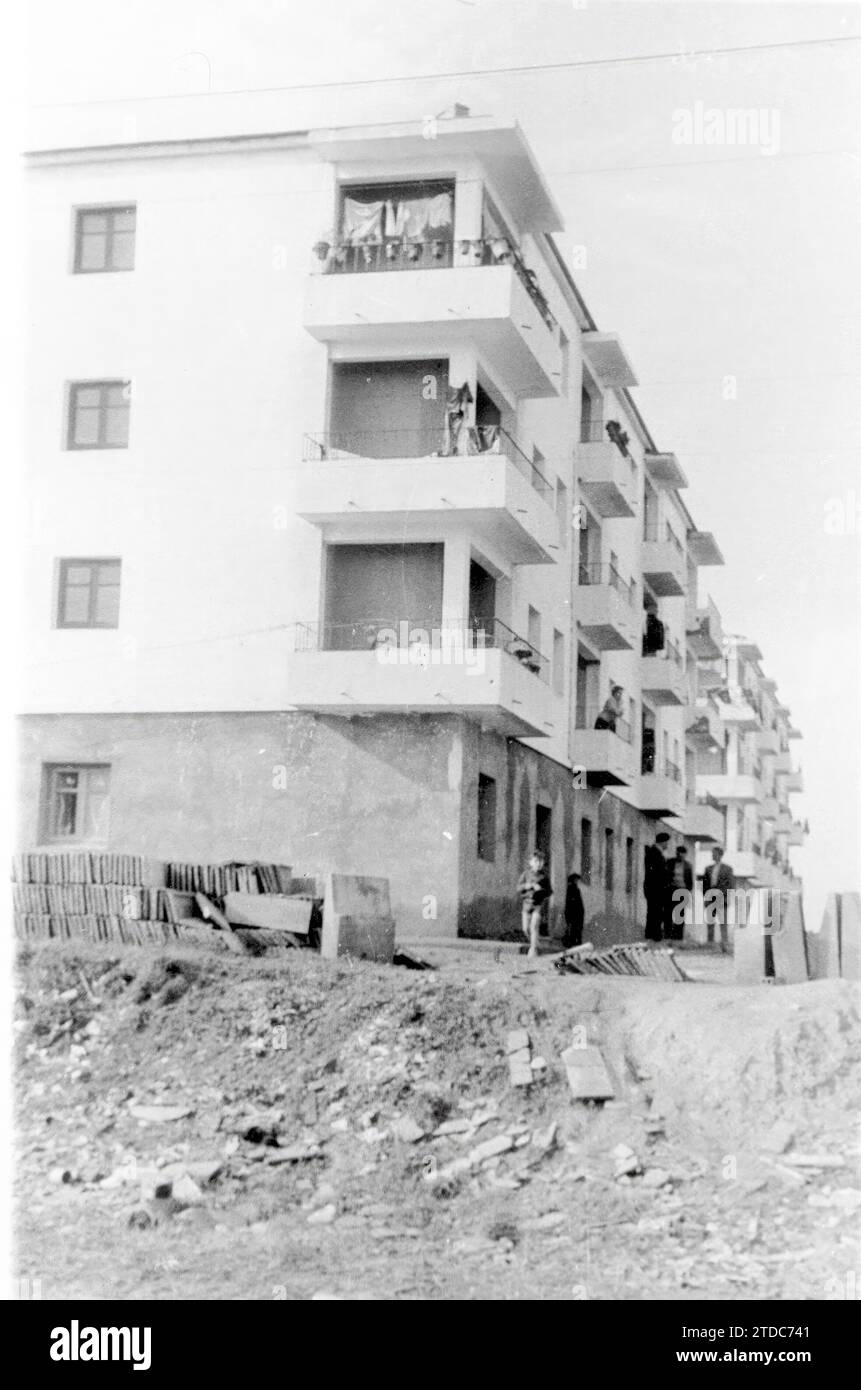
column 607, row 574
column 672, row 770
column 398, row 253
column 419, row 638
column 344, row 445
column 586, row 717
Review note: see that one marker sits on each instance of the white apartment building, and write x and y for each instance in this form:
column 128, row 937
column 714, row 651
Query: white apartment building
column 344, row 524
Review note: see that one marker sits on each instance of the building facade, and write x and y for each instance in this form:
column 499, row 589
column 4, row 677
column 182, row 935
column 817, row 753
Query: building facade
column 344, row 525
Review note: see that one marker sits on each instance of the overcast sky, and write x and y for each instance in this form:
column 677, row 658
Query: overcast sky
column 711, row 260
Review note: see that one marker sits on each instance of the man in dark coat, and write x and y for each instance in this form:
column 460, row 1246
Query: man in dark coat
column 574, row 913
column 680, row 892
column 655, row 887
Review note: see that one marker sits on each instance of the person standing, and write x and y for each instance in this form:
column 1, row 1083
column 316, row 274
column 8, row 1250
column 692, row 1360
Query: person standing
column 680, row 888
column 655, row 886
column 611, row 710
column 574, row 913
column 534, row 890
column 718, row 880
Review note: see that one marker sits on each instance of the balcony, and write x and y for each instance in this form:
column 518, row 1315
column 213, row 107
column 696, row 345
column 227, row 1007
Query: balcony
column 704, row 728
column 704, row 819
column 660, row 794
column 665, row 471
column 727, row 786
column 705, row 633
column 740, row 715
column 485, row 672
column 783, row 822
column 711, row 676
column 768, row 743
column 352, row 486
column 783, row 762
column 662, row 676
column 749, row 864
column 605, row 608
column 442, row 293
column 798, row 832
column 770, row 808
column 608, row 476
column 794, row 782
column 606, row 754
column 664, row 565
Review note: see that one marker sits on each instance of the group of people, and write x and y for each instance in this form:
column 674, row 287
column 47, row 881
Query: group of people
column 668, row 886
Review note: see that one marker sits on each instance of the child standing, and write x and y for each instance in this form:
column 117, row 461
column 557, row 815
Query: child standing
column 534, row 890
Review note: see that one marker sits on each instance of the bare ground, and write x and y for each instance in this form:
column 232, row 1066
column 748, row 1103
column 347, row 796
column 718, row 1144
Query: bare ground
column 299, row 1073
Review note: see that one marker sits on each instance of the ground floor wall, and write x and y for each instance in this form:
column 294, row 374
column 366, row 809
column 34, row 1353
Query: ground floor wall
column 390, row 795
column 591, row 832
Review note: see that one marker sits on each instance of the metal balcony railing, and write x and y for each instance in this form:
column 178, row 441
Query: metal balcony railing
column 418, row 636
column 437, row 253
column 351, row 445
column 609, row 575
column 585, row 718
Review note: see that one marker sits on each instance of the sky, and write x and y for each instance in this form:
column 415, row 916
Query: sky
column 729, row 268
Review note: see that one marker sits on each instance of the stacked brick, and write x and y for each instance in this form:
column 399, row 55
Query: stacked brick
column 79, row 894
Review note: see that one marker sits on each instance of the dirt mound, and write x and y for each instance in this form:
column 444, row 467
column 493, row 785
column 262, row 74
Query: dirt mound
column 358, row 1096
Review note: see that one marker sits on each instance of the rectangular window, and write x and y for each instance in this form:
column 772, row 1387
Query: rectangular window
column 533, row 628
column 586, row 850
column 486, row 818
column 562, row 510
column 565, row 353
column 76, row 802
column 104, row 239
column 98, row 415
column 629, row 865
column 558, row 662
column 89, row 593
column 608, row 859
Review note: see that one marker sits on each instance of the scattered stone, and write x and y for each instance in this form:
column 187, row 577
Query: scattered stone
column 846, row 1198
column 139, row 1219
column 656, row 1177
column 491, row 1148
column 548, row 1222
column 538, row 1064
column 625, row 1162
column 60, row 1175
column 186, row 1190
column 452, row 1127
column 294, row 1153
column 814, row 1160
column 544, row 1140
column 779, row 1138
column 406, row 1129
column 518, row 1041
column 587, row 1074
column 323, row 1216
column 156, row 1114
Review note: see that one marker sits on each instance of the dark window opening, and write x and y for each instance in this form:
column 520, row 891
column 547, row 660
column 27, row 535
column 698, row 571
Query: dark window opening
column 486, row 818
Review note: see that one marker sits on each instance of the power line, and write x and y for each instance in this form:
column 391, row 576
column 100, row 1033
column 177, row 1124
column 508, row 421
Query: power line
column 523, row 68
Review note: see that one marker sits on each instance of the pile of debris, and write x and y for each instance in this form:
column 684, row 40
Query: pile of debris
column 636, row 958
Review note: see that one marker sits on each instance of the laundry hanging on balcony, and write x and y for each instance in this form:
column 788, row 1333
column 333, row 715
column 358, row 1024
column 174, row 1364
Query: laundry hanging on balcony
column 409, row 218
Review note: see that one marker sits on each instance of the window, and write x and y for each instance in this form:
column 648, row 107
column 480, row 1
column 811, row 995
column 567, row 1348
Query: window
column 76, row 802
column 533, row 628
column 586, row 850
column 558, row 662
column 629, row 865
column 565, row 354
column 104, row 239
column 89, row 593
column 562, row 510
column 98, row 415
column 486, row 818
column 608, row 859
